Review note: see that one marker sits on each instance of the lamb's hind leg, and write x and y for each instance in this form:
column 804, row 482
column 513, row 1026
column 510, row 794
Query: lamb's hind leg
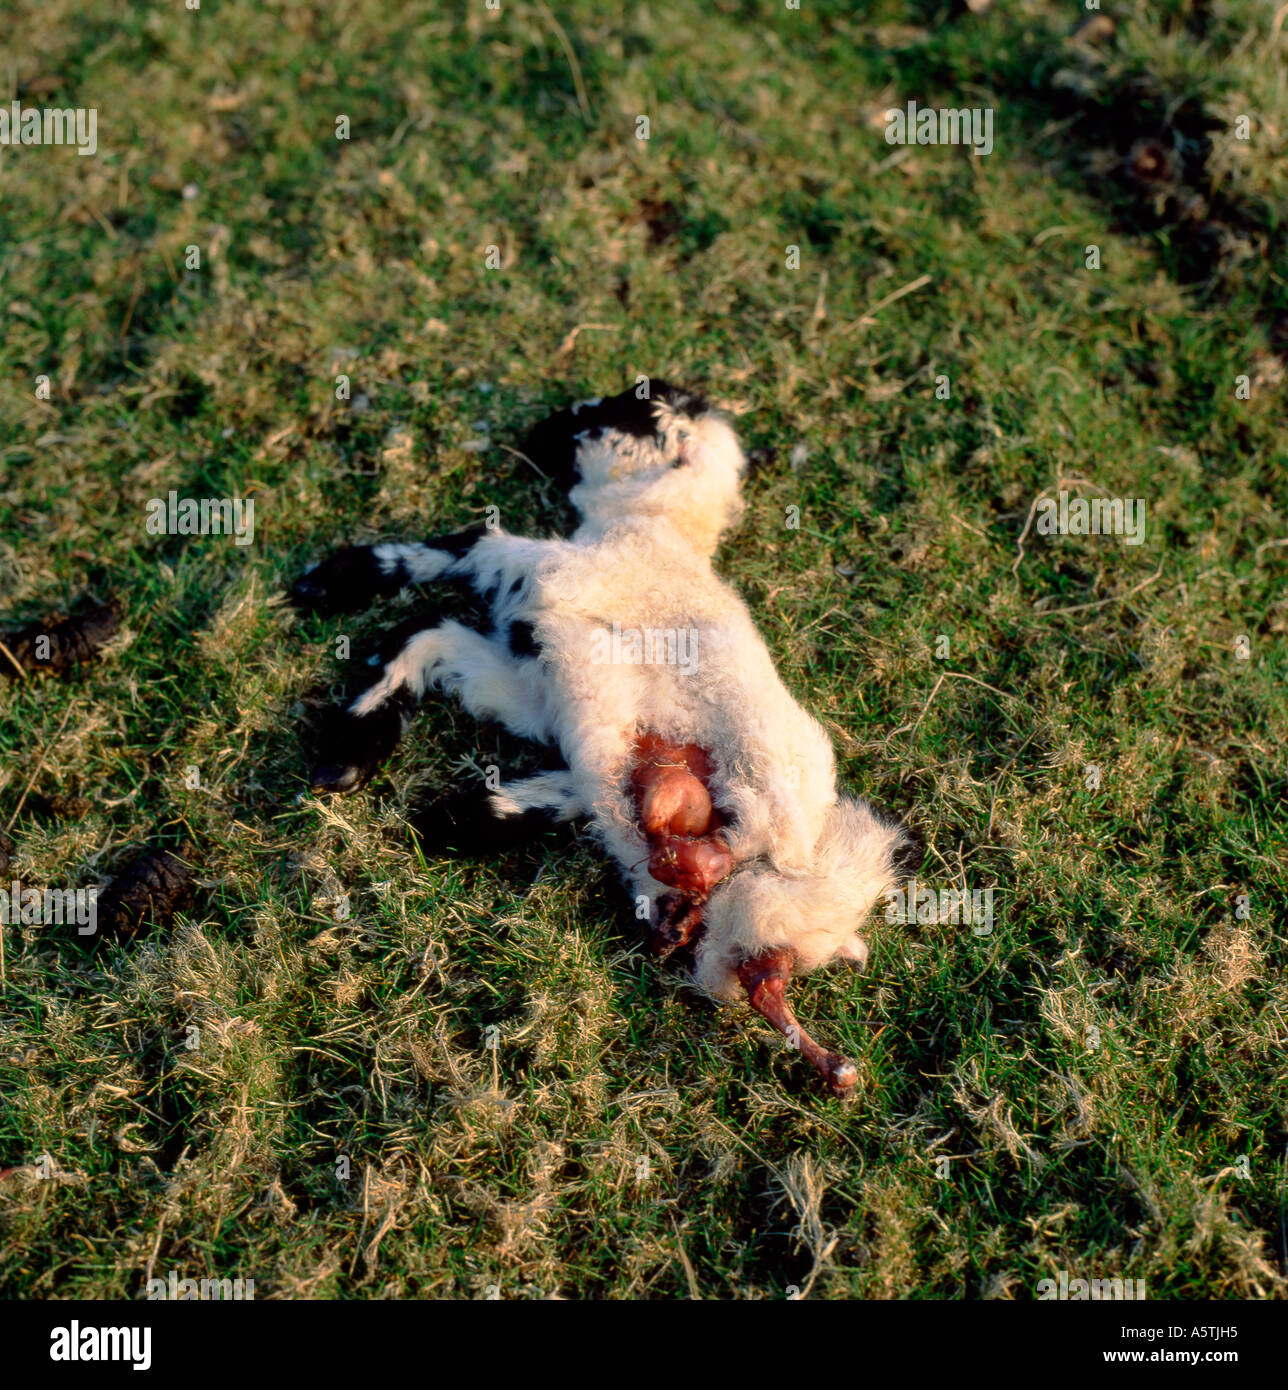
column 490, row 681
column 765, row 977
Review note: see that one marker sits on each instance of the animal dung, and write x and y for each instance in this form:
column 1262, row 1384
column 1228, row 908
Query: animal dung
column 59, row 806
column 147, row 893
column 55, row 646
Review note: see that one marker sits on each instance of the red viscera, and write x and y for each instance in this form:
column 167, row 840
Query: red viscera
column 694, row 866
column 652, row 751
column 687, row 850
column 674, row 802
column 670, row 782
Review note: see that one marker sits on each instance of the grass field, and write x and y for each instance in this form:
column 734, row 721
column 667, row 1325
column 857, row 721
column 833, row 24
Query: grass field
column 1098, row 1084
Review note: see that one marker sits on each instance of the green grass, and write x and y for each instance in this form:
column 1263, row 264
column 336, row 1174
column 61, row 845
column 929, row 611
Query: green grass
column 1118, row 919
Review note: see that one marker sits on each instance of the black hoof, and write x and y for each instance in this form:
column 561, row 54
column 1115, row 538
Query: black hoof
column 349, row 748
column 335, row 779
column 345, row 582
column 306, row 594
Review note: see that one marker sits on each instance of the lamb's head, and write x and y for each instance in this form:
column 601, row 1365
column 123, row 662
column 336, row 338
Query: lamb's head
column 665, row 456
column 861, row 857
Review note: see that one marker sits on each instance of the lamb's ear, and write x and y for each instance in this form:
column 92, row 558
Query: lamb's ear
column 551, row 444
column 910, row 848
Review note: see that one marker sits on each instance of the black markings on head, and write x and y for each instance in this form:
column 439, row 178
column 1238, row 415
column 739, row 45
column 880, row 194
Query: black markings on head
column 629, row 414
column 552, row 444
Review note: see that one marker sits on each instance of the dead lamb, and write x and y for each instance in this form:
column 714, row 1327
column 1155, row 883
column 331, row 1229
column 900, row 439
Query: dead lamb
column 710, row 787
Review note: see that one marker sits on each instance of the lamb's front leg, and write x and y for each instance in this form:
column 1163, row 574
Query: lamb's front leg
column 490, row 681
column 483, row 821
column 765, row 977
column 355, row 577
